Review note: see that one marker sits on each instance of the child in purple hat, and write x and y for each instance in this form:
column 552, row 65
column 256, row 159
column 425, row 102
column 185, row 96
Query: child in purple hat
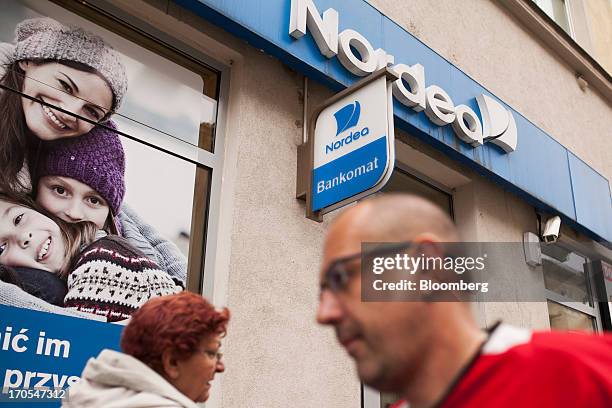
column 82, row 179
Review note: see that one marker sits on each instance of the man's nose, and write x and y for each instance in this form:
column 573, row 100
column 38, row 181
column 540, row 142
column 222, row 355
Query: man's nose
column 220, row 366
column 329, row 310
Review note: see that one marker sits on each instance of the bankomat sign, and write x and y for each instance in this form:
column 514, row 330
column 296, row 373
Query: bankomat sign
column 358, row 56
column 353, row 143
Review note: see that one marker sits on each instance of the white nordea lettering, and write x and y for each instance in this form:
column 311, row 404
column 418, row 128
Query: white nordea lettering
column 358, row 56
column 342, row 177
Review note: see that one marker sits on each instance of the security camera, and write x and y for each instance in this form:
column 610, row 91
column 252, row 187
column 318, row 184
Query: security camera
column 550, row 233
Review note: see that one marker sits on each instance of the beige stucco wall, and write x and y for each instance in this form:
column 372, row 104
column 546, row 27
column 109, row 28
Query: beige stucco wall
column 276, row 355
column 599, row 17
column 281, row 356
column 484, row 212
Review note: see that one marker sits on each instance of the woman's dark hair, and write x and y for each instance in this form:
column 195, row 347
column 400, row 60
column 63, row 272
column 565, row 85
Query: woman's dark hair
column 75, row 235
column 15, row 137
column 17, row 143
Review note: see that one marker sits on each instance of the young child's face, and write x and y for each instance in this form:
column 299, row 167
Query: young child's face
column 83, row 93
column 71, row 200
column 29, row 239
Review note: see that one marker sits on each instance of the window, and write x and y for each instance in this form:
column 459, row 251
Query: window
column 569, row 288
column 402, row 181
column 167, row 125
column 557, row 10
column 566, row 318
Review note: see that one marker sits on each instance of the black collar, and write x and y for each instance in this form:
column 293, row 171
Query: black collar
column 468, row 366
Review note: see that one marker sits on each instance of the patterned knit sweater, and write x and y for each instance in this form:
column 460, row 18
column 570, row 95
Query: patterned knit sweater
column 152, row 244
column 113, row 279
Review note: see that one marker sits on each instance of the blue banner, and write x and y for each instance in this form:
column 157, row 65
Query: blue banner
column 47, row 352
column 547, row 181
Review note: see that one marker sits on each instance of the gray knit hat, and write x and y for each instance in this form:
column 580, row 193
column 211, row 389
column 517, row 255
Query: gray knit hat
column 45, row 38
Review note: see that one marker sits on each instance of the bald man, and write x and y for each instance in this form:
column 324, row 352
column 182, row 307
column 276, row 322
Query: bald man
column 434, row 353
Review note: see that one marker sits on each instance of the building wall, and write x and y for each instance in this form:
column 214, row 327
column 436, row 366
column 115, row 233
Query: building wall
column 484, row 212
column 276, row 355
column 599, row 16
column 490, row 45
column 268, row 270
column 282, row 357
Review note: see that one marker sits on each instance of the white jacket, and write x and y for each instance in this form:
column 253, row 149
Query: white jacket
column 117, row 380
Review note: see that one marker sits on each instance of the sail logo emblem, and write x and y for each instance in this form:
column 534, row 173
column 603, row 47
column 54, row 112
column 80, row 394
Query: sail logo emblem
column 347, row 117
column 498, row 125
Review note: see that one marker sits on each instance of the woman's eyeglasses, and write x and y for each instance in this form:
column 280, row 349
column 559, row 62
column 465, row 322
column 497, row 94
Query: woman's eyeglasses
column 213, row 354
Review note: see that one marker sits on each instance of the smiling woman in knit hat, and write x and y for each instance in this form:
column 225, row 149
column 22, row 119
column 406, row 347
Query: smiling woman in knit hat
column 82, row 179
column 53, row 67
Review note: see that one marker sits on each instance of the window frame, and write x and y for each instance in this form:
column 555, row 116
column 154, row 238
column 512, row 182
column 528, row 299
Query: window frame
column 593, row 311
column 428, row 181
column 561, row 43
column 568, row 15
column 115, row 19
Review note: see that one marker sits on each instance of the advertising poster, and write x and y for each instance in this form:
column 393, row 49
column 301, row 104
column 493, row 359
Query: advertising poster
column 96, row 215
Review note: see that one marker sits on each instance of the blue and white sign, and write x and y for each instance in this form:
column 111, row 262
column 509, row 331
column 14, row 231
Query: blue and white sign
column 321, row 39
column 42, row 354
column 353, row 146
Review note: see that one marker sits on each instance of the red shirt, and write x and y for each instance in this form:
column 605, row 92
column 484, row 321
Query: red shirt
column 518, row 368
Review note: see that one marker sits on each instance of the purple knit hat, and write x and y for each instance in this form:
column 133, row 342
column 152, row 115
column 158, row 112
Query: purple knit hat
column 96, row 159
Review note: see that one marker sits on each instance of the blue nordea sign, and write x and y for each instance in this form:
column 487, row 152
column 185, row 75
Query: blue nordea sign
column 353, row 149
column 540, row 170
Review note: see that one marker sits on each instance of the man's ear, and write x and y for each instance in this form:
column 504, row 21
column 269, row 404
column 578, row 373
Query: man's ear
column 169, row 364
column 430, row 245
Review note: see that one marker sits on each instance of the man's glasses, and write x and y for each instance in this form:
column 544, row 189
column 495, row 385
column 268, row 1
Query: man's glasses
column 338, row 275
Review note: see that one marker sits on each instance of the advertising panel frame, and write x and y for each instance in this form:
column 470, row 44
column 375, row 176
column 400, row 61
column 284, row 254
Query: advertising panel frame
column 92, row 10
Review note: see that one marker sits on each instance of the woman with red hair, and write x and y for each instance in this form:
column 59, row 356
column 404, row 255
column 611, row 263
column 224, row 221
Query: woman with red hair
column 170, row 356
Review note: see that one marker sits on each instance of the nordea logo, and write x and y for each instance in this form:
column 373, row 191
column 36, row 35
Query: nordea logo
column 347, row 117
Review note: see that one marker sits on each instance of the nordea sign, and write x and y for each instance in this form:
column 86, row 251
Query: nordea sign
column 358, row 56
column 353, row 144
